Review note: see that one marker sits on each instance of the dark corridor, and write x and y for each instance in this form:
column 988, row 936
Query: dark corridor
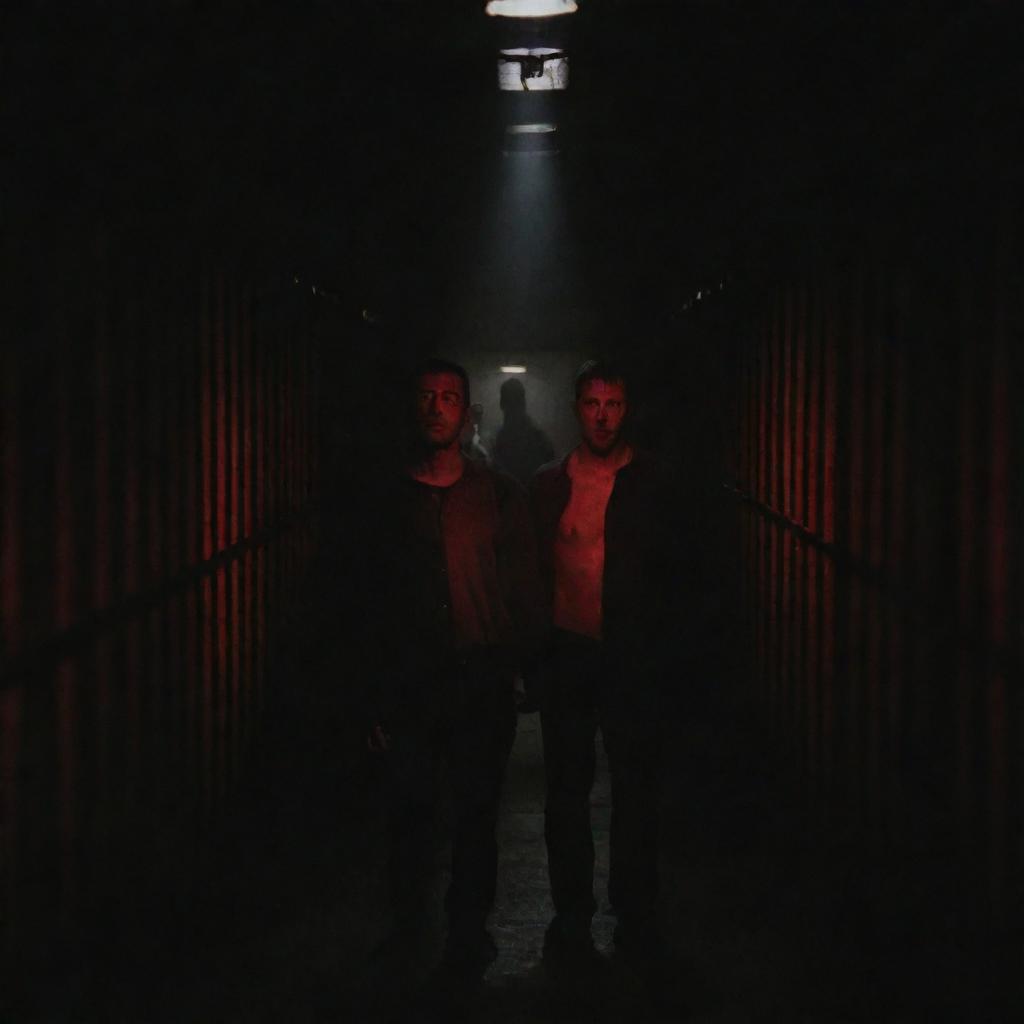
column 231, row 225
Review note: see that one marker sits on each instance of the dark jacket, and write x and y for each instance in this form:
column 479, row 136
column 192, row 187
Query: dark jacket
column 641, row 564
column 409, row 632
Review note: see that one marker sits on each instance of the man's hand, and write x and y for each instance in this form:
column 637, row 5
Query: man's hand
column 378, row 742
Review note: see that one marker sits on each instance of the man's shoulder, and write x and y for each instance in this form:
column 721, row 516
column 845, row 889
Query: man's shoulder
column 550, row 472
column 549, row 485
column 647, row 474
column 644, row 463
column 643, row 457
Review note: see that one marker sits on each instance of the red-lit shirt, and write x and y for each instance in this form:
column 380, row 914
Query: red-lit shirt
column 468, row 563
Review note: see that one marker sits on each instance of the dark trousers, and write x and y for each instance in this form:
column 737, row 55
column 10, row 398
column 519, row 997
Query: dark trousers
column 587, row 685
column 458, row 725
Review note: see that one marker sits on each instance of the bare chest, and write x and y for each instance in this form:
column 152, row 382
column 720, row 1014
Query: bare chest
column 582, row 522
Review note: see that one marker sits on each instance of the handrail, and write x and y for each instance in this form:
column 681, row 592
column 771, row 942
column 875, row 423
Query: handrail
column 71, row 640
column 915, row 603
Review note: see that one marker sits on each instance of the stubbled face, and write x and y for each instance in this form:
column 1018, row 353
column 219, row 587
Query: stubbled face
column 440, row 409
column 601, row 410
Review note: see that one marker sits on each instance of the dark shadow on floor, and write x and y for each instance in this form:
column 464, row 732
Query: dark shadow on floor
column 770, row 918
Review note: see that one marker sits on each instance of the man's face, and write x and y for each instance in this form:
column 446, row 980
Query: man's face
column 601, row 410
column 440, row 408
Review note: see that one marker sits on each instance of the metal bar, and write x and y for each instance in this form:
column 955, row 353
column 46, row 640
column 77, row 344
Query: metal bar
column 234, row 495
column 999, row 709
column 896, row 550
column 969, row 541
column 64, row 610
column 220, row 689
column 875, row 668
column 918, row 603
column 131, row 511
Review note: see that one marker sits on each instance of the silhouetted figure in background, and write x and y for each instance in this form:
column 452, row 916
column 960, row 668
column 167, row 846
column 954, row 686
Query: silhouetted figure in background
column 453, row 605
column 520, row 447
column 606, row 553
column 472, row 443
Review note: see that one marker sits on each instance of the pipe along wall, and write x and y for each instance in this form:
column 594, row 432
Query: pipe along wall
column 160, row 451
column 878, row 462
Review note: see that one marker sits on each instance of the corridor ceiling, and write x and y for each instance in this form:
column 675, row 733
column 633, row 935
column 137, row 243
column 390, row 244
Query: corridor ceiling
column 355, row 142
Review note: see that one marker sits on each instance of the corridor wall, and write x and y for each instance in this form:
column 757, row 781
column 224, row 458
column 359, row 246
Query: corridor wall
column 878, row 466
column 159, row 473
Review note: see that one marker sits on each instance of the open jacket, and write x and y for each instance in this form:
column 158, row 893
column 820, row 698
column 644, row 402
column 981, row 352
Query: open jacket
column 641, row 567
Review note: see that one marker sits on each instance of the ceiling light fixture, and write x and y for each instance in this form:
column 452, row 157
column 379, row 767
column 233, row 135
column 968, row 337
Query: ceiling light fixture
column 533, row 70
column 531, row 129
column 530, row 138
column 530, row 8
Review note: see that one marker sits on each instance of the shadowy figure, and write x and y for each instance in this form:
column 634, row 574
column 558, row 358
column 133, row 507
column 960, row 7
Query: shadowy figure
column 520, row 447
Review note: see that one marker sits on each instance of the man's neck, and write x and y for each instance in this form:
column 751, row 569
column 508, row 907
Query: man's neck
column 440, row 468
column 588, row 461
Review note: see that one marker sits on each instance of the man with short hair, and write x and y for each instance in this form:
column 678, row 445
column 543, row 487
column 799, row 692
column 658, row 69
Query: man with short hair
column 456, row 579
column 605, row 556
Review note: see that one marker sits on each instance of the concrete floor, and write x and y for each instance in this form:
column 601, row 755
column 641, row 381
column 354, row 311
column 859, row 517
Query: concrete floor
column 769, row 918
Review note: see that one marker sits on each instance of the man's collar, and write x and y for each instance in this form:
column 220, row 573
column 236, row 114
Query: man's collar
column 471, row 469
column 612, row 463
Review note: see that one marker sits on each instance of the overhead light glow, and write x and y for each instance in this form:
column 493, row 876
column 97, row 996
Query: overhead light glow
column 537, row 70
column 530, row 8
column 513, row 369
column 531, row 129
column 536, row 51
column 541, row 139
